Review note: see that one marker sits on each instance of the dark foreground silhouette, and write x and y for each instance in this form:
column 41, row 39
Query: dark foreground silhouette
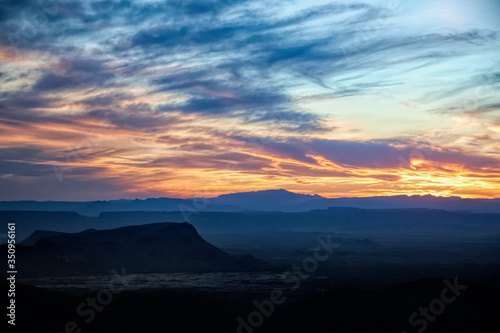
column 375, row 252
column 474, row 309
column 152, row 248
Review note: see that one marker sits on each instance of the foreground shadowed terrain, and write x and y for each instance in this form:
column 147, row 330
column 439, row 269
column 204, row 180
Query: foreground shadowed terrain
column 378, row 268
column 337, row 310
column 377, row 248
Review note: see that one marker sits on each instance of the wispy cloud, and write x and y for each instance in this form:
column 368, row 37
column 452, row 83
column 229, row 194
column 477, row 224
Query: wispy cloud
column 331, row 91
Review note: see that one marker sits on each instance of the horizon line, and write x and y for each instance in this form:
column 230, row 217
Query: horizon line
column 267, row 190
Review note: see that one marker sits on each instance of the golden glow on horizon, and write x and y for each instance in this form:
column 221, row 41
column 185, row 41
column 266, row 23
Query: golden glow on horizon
column 192, row 157
column 153, row 166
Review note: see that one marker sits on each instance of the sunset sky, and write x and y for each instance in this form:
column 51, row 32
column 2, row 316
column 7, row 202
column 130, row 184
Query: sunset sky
column 181, row 98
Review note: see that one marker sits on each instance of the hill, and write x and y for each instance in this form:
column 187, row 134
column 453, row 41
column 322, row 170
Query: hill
column 159, row 247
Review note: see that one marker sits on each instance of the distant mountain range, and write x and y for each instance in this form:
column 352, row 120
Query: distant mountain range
column 151, row 248
column 363, row 222
column 270, row 200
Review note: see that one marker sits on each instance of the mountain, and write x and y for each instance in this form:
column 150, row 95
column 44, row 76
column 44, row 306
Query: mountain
column 29, row 221
column 405, row 202
column 93, row 208
column 415, row 222
column 270, row 200
column 159, row 247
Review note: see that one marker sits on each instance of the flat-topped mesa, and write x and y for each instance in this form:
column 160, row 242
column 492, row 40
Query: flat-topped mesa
column 150, row 248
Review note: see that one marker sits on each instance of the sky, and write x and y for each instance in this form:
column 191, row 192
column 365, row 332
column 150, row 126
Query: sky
column 135, row 99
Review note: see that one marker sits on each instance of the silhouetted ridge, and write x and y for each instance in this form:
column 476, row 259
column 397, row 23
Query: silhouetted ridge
column 269, row 200
column 159, row 247
column 37, row 235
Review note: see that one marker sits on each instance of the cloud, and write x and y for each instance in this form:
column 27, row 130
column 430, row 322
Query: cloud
column 375, row 154
column 75, row 73
column 251, row 80
column 224, row 161
column 136, row 117
column 24, row 101
column 104, row 100
column 50, row 188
